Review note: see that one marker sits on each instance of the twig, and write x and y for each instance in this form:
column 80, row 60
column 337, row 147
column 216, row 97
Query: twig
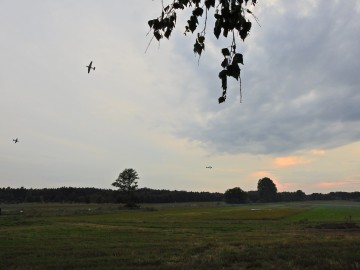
column 149, row 44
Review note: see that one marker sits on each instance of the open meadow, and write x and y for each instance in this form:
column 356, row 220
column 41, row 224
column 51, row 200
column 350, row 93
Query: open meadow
column 303, row 235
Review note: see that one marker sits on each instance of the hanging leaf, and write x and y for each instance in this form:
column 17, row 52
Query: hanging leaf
column 222, row 74
column 225, row 52
column 201, row 39
column 224, row 83
column 233, row 70
column 221, row 99
column 198, row 11
column 192, row 23
column 225, row 32
column 198, row 48
column 223, row 77
column 157, row 35
column 177, row 5
column 225, row 63
column 151, row 23
column 217, row 29
column 184, row 2
column 167, row 33
column 238, row 59
column 246, row 26
column 209, row 3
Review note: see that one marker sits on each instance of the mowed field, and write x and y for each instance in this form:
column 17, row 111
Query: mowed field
column 306, row 235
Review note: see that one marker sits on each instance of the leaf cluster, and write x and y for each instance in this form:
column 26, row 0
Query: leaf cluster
column 230, row 17
column 231, row 68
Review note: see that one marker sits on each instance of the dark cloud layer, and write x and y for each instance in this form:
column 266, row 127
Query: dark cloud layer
column 301, row 85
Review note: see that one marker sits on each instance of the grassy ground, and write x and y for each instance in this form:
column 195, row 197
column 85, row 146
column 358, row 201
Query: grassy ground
column 309, row 235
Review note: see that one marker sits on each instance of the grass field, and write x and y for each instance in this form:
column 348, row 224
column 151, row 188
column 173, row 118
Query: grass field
column 307, row 235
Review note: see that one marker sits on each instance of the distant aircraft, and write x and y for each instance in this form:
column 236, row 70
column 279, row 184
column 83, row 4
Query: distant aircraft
column 90, row 67
column 15, row 140
column 208, row 167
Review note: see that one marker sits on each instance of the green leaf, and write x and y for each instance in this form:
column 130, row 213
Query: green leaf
column 192, row 23
column 198, row 11
column 223, row 80
column 209, row 3
column 224, row 83
column 173, row 19
column 151, row 23
column 246, row 26
column 238, row 58
column 192, row 27
column 225, row 63
column 233, row 70
column 198, row 48
column 222, row 74
column 168, row 33
column 201, row 39
column 156, row 24
column 157, row 35
column 177, row 5
column 225, row 32
column 184, row 2
column 217, row 31
column 225, row 52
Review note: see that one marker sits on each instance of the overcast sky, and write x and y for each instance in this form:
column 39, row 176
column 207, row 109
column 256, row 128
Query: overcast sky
column 157, row 112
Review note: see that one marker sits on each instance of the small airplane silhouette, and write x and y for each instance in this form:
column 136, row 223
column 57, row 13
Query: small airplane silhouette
column 90, row 67
column 208, row 167
column 16, row 140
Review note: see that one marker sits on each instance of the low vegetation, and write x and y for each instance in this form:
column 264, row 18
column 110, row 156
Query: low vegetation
column 302, row 235
column 147, row 195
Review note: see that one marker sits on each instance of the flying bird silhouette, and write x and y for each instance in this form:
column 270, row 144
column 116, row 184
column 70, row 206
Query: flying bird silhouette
column 16, row 140
column 90, row 67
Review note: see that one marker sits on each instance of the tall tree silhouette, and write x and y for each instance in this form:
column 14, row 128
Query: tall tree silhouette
column 126, row 182
column 267, row 190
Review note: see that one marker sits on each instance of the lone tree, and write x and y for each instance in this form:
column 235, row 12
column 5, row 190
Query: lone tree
column 126, row 182
column 230, row 21
column 267, row 190
column 235, row 195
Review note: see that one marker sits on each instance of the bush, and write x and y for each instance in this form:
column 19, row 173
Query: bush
column 235, row 195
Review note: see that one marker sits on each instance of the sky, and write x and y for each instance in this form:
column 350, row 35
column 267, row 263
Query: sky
column 157, row 111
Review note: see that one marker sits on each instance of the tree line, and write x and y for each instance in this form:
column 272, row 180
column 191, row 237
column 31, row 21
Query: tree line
column 147, row 195
column 96, row 195
column 267, row 192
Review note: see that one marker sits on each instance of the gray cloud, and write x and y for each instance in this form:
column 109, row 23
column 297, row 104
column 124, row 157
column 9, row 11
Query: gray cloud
column 300, row 85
